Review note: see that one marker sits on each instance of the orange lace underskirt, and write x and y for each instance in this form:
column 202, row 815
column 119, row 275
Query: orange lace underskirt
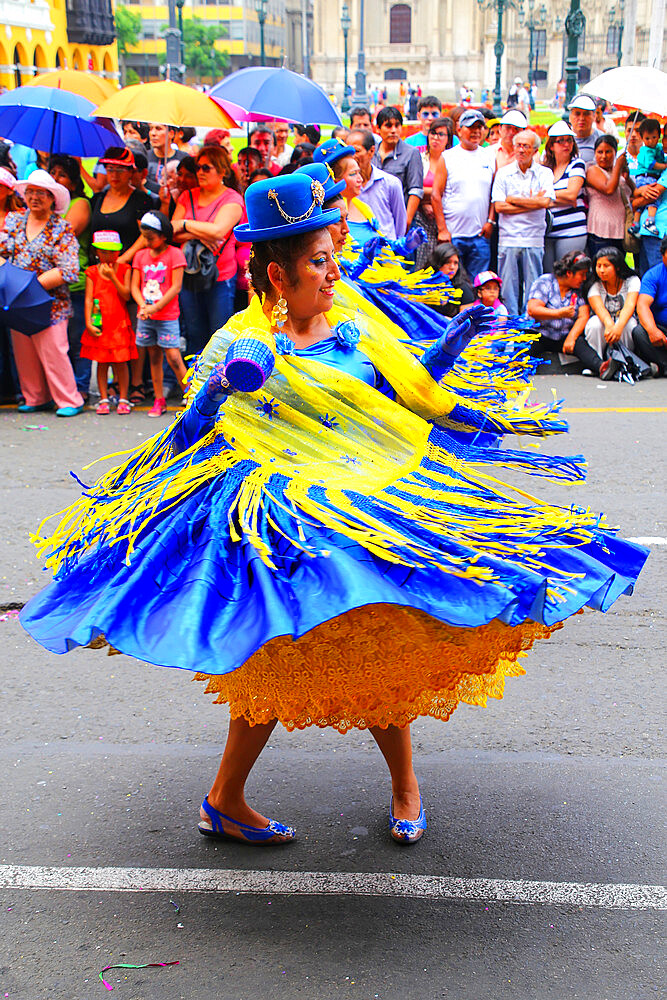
column 379, row 665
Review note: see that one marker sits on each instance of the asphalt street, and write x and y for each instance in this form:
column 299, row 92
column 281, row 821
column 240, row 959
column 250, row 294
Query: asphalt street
column 546, row 795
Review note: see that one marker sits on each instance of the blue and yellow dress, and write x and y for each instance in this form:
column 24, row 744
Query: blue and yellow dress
column 324, row 551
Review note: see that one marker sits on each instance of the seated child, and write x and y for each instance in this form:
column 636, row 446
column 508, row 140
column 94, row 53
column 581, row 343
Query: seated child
column 487, row 286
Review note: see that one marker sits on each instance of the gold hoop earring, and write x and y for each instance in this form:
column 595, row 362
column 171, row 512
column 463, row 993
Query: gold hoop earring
column 279, row 314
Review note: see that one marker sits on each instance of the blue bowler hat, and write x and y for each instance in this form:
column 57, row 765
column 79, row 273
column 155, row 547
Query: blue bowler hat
column 332, row 150
column 284, row 206
column 323, row 173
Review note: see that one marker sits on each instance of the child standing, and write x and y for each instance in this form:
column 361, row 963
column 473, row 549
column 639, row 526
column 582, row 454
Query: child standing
column 651, row 163
column 157, row 277
column 108, row 338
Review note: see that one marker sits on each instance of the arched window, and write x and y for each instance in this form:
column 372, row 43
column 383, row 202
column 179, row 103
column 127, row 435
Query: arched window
column 400, row 24
column 19, row 61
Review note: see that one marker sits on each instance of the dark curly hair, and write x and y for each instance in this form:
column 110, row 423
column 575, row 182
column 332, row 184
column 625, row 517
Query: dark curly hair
column 283, row 252
column 72, row 169
column 575, row 260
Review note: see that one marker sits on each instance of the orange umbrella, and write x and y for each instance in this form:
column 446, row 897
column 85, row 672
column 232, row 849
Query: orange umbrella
column 93, row 88
column 168, row 103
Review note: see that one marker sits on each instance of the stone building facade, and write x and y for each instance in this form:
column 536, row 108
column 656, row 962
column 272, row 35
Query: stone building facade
column 443, row 44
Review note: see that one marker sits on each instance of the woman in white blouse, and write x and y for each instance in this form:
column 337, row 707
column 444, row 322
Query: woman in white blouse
column 612, row 300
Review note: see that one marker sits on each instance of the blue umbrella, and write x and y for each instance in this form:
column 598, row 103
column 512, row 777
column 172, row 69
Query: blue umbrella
column 54, row 120
column 24, row 305
column 277, row 93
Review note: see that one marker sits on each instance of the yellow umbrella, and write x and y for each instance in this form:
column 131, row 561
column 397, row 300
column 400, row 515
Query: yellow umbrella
column 93, row 88
column 168, row 103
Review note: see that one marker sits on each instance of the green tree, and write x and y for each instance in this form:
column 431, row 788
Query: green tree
column 202, row 59
column 128, row 28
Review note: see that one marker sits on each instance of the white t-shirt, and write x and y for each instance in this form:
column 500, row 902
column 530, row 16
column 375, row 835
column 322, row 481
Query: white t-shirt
column 526, row 229
column 468, row 189
column 284, row 158
column 614, row 303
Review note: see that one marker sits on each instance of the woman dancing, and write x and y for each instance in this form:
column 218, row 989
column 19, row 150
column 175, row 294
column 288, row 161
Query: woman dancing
column 317, row 547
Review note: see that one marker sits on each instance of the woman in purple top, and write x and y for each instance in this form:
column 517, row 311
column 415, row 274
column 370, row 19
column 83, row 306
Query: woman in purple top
column 555, row 301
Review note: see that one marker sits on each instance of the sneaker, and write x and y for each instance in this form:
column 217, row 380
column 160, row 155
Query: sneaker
column 102, row 408
column 634, row 229
column 609, row 368
column 158, row 408
column 651, row 228
column 123, row 407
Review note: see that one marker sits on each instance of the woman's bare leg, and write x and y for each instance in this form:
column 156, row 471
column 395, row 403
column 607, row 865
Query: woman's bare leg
column 396, row 747
column 244, row 745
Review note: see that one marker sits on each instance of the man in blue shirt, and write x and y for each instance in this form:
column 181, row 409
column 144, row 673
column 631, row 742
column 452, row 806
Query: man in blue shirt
column 382, row 192
column 650, row 339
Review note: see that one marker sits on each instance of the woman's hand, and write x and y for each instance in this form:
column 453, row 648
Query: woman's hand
column 212, row 244
column 566, row 312
column 612, row 333
column 568, row 344
column 213, row 393
column 217, row 385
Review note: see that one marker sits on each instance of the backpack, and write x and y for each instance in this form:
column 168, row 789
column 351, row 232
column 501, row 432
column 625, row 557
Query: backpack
column 201, row 264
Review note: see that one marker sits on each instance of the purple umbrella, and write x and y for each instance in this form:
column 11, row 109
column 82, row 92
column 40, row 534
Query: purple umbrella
column 269, row 93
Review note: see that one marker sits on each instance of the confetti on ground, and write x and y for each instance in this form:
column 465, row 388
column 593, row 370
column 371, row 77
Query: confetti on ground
column 35, row 427
column 8, row 615
column 175, row 905
column 148, row 965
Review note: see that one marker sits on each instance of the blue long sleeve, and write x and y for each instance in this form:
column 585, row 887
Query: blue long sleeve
column 442, row 355
column 197, row 421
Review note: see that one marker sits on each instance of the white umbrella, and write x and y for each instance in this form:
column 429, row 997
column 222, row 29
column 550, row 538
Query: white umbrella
column 640, row 87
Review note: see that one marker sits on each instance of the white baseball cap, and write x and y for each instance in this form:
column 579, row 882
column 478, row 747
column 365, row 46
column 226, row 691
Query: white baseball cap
column 517, row 79
column 584, row 102
column 560, row 128
column 514, row 117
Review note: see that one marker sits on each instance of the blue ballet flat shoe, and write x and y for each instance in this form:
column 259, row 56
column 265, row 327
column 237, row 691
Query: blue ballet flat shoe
column 69, row 411
column 40, row 408
column 273, row 833
column 407, row 831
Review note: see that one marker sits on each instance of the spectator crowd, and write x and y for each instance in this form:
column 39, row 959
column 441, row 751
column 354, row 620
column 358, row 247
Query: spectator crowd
column 139, row 256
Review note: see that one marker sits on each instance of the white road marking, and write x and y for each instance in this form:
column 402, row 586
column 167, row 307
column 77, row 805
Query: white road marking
column 607, row 897
column 649, row 540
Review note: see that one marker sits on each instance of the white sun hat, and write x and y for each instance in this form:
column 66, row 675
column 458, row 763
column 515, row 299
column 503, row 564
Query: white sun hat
column 43, row 179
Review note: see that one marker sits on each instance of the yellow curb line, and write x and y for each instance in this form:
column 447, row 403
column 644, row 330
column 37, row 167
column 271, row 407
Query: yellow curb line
column 615, row 409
